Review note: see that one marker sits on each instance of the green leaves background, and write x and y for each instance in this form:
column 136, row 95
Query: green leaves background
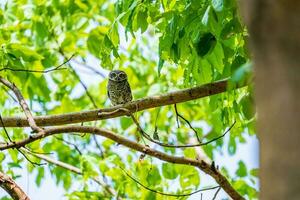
column 162, row 45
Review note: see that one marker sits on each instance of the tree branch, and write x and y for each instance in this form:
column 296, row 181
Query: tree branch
column 147, row 136
column 22, row 103
column 215, row 196
column 39, row 71
column 202, row 165
column 11, row 187
column 134, row 106
column 186, row 121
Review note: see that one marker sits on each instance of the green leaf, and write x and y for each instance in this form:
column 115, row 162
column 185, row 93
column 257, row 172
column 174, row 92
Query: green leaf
column 242, row 170
column 232, row 146
column 40, row 176
column 2, row 157
column 160, row 65
column 14, row 155
column 237, row 62
column 141, row 20
column 25, row 53
column 189, row 177
column 93, row 44
column 254, row 172
column 169, row 171
column 216, row 58
column 153, row 177
column 231, row 28
column 87, row 166
column 41, row 32
column 205, row 44
column 205, row 71
column 248, row 107
column 181, row 33
column 190, row 153
column 155, row 135
column 242, row 75
column 14, row 165
column 114, row 35
column 125, row 122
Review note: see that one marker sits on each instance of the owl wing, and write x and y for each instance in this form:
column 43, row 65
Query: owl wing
column 129, row 92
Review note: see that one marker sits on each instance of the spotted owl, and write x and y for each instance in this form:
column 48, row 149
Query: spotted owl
column 118, row 88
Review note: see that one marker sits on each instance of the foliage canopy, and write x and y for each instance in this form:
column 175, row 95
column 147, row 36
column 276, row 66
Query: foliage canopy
column 163, row 46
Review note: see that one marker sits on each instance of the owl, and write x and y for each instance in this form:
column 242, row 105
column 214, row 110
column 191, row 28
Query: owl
column 118, row 88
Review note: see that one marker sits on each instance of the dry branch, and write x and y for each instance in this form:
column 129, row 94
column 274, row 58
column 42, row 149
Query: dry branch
column 134, row 106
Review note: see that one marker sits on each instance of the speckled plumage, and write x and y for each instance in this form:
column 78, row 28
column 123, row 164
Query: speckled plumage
column 118, row 88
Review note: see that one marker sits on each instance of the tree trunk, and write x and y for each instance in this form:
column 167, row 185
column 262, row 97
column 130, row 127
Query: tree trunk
column 275, row 40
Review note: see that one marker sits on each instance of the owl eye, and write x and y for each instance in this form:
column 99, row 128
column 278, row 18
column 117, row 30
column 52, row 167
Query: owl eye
column 113, row 75
column 122, row 76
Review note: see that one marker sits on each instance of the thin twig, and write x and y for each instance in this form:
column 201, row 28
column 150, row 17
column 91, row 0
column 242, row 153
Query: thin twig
column 84, row 87
column 78, row 77
column 98, row 146
column 89, row 67
column 166, row 194
column 143, row 133
column 215, row 196
column 11, row 96
column 30, row 161
column 33, row 163
column 177, row 119
column 36, row 152
column 7, row 135
column 88, row 94
column 60, row 50
column 69, row 143
column 191, row 127
column 59, row 67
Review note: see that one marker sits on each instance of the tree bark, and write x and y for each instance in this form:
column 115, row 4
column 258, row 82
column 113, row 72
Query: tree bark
column 133, row 106
column 275, row 40
column 10, row 186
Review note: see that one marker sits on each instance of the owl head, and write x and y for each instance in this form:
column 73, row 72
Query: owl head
column 117, row 75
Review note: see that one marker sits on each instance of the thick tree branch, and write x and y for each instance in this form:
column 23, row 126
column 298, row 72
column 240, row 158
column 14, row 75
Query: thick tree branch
column 202, row 165
column 134, row 106
column 10, row 186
